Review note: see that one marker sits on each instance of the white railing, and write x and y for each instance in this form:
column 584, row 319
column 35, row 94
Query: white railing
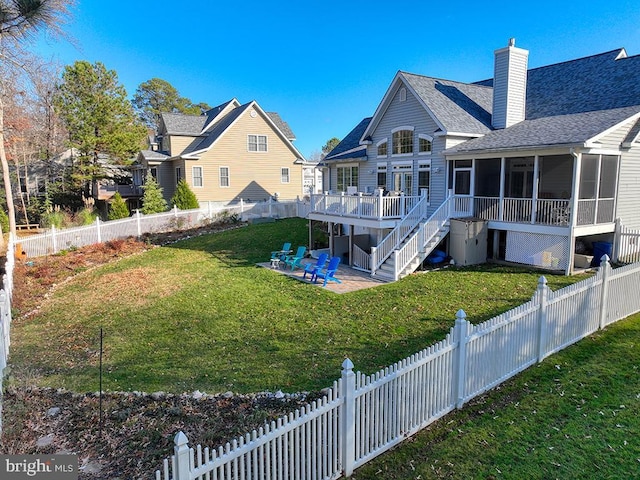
column 419, row 241
column 361, row 259
column 627, row 245
column 54, row 240
column 363, row 416
column 375, row 206
column 393, row 240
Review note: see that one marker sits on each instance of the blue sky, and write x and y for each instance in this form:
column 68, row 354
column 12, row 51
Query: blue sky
column 325, row 65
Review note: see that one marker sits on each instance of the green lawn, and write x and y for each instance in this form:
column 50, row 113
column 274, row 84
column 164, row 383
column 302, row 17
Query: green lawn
column 199, row 314
column 574, row 416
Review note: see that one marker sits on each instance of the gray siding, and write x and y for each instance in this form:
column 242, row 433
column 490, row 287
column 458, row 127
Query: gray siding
column 408, row 113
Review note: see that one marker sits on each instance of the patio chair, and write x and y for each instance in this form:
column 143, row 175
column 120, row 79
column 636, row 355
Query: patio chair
column 328, row 274
column 281, row 254
column 312, row 267
column 294, row 260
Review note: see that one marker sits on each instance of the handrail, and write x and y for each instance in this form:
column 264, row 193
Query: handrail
column 398, row 234
column 427, row 231
column 361, row 259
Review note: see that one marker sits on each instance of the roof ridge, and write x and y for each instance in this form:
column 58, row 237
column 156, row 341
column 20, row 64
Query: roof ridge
column 616, row 50
column 473, row 84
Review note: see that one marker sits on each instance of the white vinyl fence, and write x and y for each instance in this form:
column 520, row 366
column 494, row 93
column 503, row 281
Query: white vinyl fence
column 627, row 243
column 6, row 295
column 55, row 240
column 363, row 416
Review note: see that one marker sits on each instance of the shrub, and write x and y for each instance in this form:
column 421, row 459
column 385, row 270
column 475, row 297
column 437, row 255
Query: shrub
column 152, row 200
column 86, row 216
column 118, row 208
column 184, row 198
column 4, row 221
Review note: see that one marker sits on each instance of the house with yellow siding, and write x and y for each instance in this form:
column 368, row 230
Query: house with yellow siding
column 233, row 151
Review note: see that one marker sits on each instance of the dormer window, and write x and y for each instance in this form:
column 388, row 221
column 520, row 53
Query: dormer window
column 382, row 148
column 403, row 141
column 424, row 146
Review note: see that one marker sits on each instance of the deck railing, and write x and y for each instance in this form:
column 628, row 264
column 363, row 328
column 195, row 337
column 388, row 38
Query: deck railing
column 376, row 206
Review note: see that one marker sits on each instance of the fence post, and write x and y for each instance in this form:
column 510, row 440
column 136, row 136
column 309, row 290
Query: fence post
column 181, row 453
column 270, row 204
column 348, row 417
column 461, row 332
column 98, row 230
column 138, row 223
column 543, row 292
column 605, row 267
column 175, row 211
column 53, row 239
column 617, row 240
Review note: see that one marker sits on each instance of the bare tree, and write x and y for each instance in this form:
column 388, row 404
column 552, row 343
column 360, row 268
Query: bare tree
column 20, row 22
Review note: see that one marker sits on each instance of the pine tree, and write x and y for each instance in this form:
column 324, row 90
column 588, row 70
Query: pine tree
column 184, row 198
column 118, row 208
column 152, row 200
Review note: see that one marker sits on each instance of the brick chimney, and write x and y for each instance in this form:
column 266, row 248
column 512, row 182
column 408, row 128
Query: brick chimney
column 509, row 85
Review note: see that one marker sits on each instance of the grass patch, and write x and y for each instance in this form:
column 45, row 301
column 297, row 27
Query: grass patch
column 200, row 315
column 575, row 415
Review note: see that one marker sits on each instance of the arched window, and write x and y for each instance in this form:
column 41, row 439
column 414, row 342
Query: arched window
column 382, row 148
column 424, row 145
column 403, row 94
column 402, row 141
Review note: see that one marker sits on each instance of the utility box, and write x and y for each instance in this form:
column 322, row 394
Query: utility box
column 468, row 240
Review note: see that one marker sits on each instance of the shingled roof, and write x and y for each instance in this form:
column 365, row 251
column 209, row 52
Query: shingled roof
column 181, row 124
column 350, row 148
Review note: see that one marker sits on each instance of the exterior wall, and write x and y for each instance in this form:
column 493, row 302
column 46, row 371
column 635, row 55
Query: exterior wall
column 628, row 205
column 510, row 86
column 253, row 176
column 412, row 114
column 177, row 144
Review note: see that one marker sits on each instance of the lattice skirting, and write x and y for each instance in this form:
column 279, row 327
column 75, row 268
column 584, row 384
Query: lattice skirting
column 540, row 250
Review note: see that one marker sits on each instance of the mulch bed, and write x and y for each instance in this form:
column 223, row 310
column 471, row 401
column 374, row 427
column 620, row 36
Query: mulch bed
column 133, row 432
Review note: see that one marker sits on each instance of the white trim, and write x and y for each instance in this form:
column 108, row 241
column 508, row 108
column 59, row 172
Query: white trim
column 385, row 140
column 228, row 176
column 193, row 167
column 429, row 138
column 458, row 134
column 352, row 150
column 404, row 127
column 609, row 130
column 288, row 175
column 257, row 150
column 402, row 94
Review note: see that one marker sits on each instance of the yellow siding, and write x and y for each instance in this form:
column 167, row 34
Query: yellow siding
column 177, row 144
column 253, row 175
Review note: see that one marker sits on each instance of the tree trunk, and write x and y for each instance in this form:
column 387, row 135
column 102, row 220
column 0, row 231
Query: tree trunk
column 5, row 176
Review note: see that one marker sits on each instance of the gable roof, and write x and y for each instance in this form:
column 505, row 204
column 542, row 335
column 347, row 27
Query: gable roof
column 181, row 124
column 574, row 129
column 350, row 148
column 455, row 107
column 282, row 125
column 221, row 118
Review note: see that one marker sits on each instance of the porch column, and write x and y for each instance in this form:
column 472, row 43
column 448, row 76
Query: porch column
column 534, row 192
column 310, row 235
column 351, row 233
column 503, row 172
column 575, row 189
column 595, row 205
column 472, row 188
column 331, row 238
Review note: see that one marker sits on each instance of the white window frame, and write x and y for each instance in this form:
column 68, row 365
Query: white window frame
column 403, row 94
column 429, row 138
column 382, row 168
column 384, row 140
column 285, row 177
column 425, row 167
column 194, row 176
column 257, row 143
column 350, row 183
column 399, row 129
column 227, row 176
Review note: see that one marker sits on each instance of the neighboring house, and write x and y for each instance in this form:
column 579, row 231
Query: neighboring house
column 229, row 153
column 539, row 162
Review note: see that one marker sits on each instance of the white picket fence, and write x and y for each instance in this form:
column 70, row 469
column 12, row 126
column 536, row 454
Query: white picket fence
column 627, row 245
column 55, row 240
column 363, row 416
column 6, row 295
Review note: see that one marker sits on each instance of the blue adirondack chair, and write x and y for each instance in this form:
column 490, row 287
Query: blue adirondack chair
column 328, row 274
column 312, row 267
column 282, row 254
column 294, row 260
